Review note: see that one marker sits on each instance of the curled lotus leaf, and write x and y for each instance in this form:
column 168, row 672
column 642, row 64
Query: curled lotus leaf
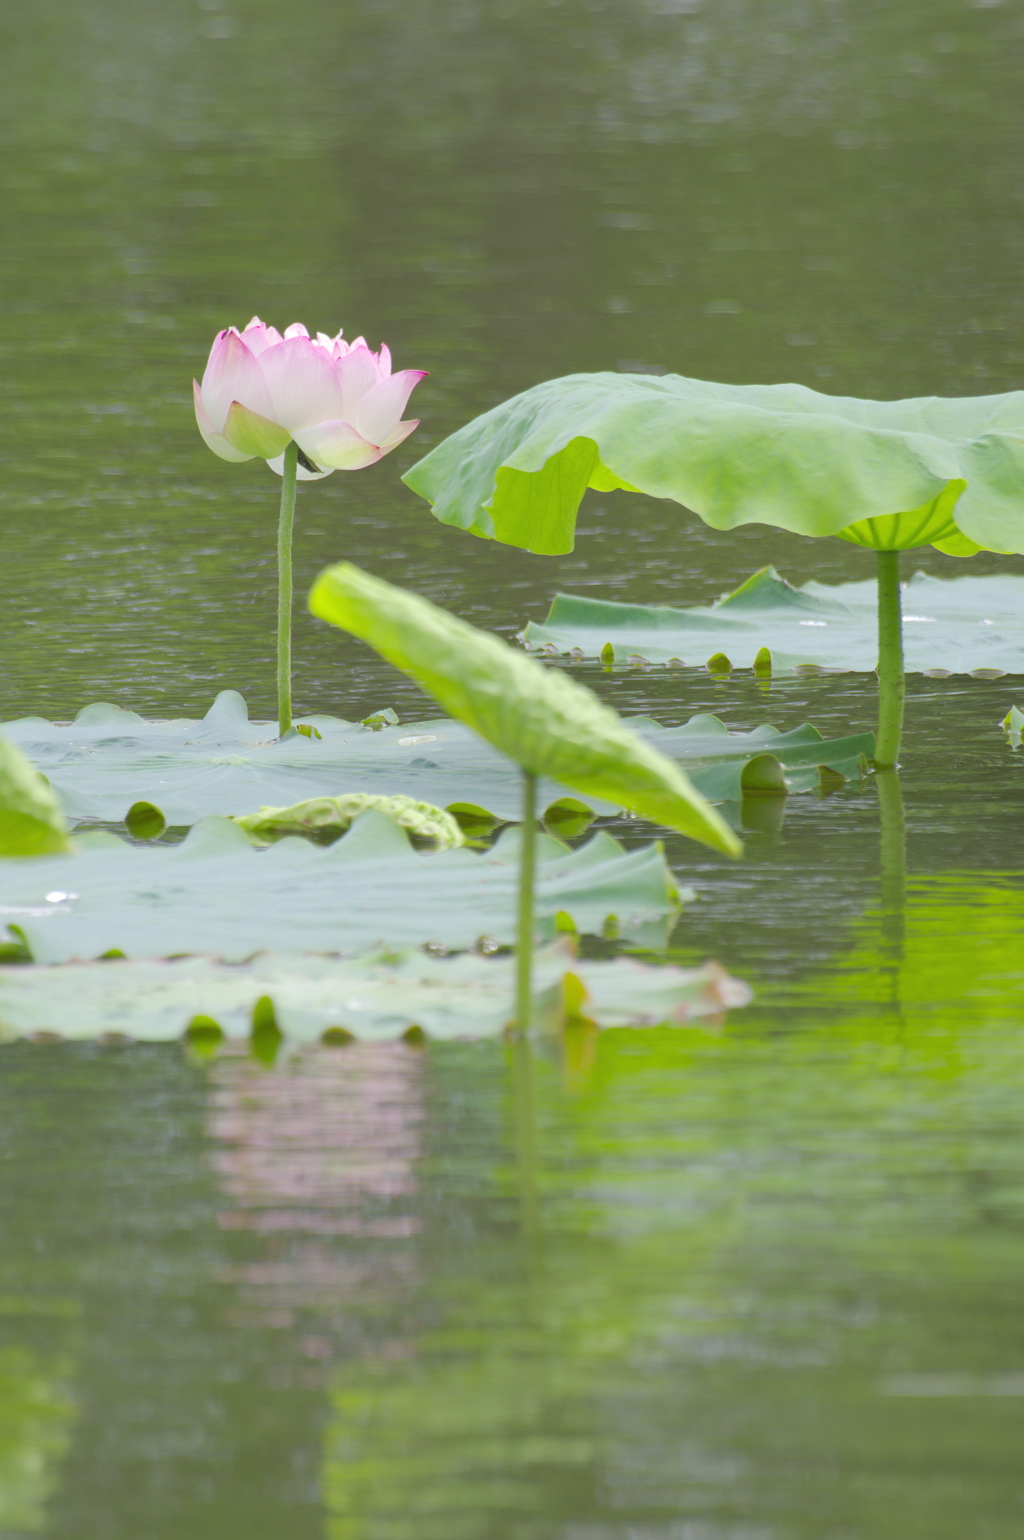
column 885, row 474
column 31, row 821
column 373, row 998
column 107, row 761
column 215, row 894
column 1013, row 725
column 543, row 720
column 962, row 625
column 328, row 817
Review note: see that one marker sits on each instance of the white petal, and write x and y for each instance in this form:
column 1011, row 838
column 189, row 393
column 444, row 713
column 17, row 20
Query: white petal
column 338, row 445
column 377, row 414
column 232, row 374
column 400, row 434
column 358, row 372
column 258, row 337
column 212, row 439
column 302, row 380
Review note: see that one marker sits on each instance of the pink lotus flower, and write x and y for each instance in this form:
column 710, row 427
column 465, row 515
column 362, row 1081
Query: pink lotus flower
column 338, row 401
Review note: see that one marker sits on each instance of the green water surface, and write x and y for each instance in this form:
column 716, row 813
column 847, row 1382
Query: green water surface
column 760, row 1284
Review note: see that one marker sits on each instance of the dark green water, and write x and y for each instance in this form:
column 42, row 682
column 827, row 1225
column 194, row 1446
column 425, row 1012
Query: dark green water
column 764, row 1285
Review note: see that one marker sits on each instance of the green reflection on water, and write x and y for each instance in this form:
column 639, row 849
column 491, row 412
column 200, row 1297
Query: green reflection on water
column 36, row 1417
column 776, row 1285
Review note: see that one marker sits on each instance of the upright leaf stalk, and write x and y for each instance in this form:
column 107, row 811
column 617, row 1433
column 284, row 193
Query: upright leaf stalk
column 285, row 522
column 524, row 940
column 891, row 685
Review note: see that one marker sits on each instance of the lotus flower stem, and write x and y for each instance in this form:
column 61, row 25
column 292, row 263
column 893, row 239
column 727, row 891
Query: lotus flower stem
column 524, row 940
column 891, row 685
column 284, row 589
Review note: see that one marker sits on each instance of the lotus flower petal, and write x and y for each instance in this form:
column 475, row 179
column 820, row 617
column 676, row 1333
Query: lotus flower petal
column 378, row 412
column 258, row 336
column 338, row 400
column 401, row 432
column 232, row 374
column 302, row 381
column 254, row 435
column 338, row 445
column 211, row 438
column 358, row 373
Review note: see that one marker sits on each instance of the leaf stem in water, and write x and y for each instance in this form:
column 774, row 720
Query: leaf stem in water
column 891, row 683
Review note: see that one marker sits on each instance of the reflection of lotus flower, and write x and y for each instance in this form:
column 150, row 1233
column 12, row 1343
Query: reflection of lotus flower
column 324, row 1149
column 338, row 401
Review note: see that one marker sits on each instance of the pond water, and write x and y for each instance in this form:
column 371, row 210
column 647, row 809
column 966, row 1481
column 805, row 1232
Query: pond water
column 760, row 1284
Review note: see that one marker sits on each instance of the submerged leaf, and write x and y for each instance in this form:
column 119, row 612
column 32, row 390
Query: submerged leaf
column 329, row 817
column 215, row 894
column 108, row 759
column 373, row 999
column 927, row 471
column 31, row 822
column 546, row 722
column 962, row 626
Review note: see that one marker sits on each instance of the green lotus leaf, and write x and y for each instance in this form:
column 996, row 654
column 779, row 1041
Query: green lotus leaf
column 215, row 894
column 546, row 722
column 925, row 471
column 373, row 998
column 960, row 626
column 328, row 817
column 108, row 760
column 31, row 821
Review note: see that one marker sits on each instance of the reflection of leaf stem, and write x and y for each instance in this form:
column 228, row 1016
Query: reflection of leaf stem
column 526, row 1144
column 284, row 589
column 891, row 684
column 524, row 940
column 893, row 850
column 522, row 1063
column 893, row 839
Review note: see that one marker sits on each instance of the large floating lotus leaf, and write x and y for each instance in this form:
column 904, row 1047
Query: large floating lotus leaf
column 959, row 626
column 31, row 822
column 543, row 720
column 737, row 454
column 215, row 894
column 108, row 759
column 372, row 998
column 331, row 816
